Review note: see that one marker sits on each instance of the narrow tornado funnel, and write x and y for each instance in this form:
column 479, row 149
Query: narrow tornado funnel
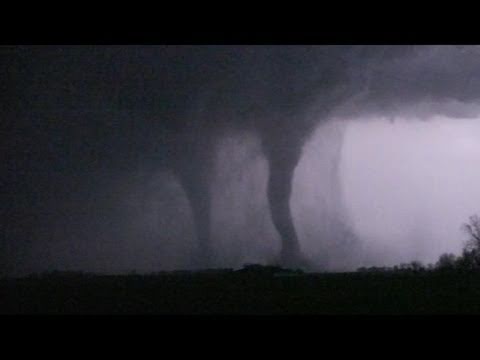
column 193, row 165
column 283, row 153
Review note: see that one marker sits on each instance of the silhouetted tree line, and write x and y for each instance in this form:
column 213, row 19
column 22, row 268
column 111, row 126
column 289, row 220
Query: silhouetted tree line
column 258, row 269
column 250, row 269
column 467, row 261
column 412, row 267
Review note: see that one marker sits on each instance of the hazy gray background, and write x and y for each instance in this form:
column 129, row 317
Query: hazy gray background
column 409, row 185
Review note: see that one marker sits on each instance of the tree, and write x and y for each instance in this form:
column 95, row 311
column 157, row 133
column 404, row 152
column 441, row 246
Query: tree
column 470, row 259
column 416, row 266
column 472, row 228
column 446, row 262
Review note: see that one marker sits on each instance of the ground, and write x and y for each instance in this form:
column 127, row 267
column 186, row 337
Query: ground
column 251, row 291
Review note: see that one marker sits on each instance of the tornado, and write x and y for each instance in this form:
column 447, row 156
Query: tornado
column 193, row 166
column 282, row 167
column 282, row 146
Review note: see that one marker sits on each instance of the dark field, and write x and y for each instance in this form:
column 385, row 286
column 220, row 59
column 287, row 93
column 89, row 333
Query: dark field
column 234, row 292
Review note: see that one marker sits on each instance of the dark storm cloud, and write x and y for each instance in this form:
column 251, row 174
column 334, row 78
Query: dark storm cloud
column 77, row 118
column 102, row 92
column 441, row 78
